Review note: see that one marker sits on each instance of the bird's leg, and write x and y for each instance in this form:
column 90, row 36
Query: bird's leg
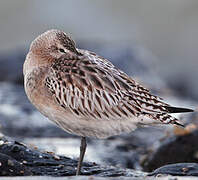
column 83, row 146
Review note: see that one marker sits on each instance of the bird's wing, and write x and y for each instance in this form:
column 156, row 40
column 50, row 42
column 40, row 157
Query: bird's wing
column 95, row 88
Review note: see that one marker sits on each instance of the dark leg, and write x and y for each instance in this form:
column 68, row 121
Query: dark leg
column 83, row 146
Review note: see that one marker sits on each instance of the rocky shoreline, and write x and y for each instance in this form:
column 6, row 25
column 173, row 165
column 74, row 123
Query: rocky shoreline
column 16, row 159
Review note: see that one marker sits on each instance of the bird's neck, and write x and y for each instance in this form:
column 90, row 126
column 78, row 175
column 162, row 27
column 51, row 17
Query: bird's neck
column 33, row 61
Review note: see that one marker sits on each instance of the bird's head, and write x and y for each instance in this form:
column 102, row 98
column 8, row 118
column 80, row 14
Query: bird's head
column 47, row 48
column 53, row 44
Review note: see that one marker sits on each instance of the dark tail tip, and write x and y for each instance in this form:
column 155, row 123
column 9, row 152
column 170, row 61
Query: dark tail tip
column 178, row 110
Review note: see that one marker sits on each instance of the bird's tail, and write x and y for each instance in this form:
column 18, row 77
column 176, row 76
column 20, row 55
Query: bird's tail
column 166, row 119
column 171, row 109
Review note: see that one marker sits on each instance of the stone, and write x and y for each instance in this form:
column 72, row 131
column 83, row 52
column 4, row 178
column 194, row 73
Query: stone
column 179, row 169
column 22, row 160
column 174, row 149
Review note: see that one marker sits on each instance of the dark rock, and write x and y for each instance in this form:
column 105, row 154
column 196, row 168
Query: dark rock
column 34, row 162
column 179, row 169
column 10, row 167
column 175, row 149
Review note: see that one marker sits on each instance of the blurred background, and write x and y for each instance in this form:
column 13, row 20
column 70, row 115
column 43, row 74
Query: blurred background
column 166, row 30
column 154, row 41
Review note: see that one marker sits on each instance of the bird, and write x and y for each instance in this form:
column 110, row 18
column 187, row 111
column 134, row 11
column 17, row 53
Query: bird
column 85, row 94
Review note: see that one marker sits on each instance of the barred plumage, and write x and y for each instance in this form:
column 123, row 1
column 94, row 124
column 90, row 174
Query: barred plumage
column 84, row 93
column 89, row 88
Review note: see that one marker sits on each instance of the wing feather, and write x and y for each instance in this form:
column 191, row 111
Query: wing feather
column 93, row 87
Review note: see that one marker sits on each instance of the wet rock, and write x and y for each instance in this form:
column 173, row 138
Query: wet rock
column 179, row 169
column 92, row 178
column 10, row 167
column 35, row 162
column 174, row 149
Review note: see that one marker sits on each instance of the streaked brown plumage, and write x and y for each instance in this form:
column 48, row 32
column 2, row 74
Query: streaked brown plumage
column 84, row 93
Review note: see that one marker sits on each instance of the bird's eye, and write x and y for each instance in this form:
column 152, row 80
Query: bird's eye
column 62, row 50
